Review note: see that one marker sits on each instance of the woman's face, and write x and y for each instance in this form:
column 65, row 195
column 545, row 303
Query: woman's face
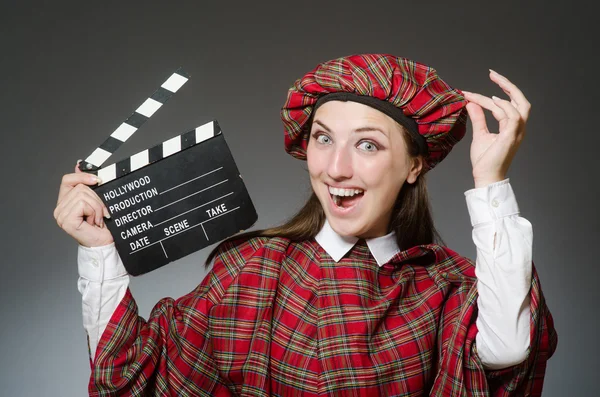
column 358, row 161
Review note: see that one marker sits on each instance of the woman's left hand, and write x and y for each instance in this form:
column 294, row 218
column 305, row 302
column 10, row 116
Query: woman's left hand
column 491, row 154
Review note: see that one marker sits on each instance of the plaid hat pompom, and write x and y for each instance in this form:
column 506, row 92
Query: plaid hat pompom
column 438, row 110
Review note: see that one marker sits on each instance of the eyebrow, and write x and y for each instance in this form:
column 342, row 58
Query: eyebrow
column 361, row 129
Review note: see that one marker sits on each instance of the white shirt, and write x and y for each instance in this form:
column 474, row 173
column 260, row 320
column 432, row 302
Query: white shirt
column 503, row 268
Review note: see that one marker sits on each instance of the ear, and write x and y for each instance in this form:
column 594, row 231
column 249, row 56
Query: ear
column 415, row 169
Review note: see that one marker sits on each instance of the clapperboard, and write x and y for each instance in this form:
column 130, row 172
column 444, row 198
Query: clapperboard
column 173, row 199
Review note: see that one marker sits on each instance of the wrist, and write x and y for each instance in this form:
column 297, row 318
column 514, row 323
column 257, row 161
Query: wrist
column 95, row 242
column 487, row 180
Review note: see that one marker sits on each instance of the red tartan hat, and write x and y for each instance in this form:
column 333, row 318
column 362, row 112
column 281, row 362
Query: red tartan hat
column 432, row 111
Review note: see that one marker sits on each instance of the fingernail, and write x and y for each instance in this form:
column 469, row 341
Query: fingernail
column 107, row 215
column 98, row 180
column 497, row 74
column 79, row 161
column 495, row 98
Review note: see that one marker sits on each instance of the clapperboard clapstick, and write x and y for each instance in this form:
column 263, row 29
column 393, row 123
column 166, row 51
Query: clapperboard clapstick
column 175, row 198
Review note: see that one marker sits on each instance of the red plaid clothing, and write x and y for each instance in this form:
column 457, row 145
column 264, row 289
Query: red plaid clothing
column 280, row 318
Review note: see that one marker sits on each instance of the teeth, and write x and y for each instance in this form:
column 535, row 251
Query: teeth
column 344, row 192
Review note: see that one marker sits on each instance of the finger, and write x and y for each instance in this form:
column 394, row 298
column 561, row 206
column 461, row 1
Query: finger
column 507, row 107
column 477, row 117
column 91, row 212
column 91, row 219
column 73, row 219
column 69, row 181
column 515, row 94
column 94, row 201
column 77, row 178
column 73, row 212
column 92, row 194
column 486, row 103
column 82, row 212
column 89, row 193
column 512, row 102
column 514, row 118
column 97, row 198
column 75, row 192
column 77, row 169
column 72, row 216
column 80, row 194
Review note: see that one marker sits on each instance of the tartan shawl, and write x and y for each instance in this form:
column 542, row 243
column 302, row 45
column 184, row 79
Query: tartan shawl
column 281, row 318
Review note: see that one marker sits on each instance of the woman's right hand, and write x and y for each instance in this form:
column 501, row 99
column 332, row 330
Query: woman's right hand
column 80, row 212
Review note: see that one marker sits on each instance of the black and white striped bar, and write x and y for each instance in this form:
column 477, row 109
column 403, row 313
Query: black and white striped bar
column 158, row 152
column 135, row 121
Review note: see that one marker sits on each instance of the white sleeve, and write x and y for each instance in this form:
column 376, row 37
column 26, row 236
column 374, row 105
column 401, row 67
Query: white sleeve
column 102, row 283
column 503, row 267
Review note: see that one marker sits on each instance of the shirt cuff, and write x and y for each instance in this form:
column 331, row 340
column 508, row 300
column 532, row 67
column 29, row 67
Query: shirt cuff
column 491, row 202
column 100, row 263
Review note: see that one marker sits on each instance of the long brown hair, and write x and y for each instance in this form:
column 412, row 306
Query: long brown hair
column 411, row 217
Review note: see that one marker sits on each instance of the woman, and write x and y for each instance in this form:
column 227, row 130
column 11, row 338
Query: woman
column 352, row 296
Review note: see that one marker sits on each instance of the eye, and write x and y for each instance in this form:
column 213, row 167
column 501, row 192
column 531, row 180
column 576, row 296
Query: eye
column 324, row 139
column 367, row 146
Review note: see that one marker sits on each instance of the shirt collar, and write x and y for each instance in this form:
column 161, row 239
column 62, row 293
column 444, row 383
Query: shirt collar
column 382, row 248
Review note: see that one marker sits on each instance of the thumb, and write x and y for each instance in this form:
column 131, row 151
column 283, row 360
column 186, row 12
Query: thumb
column 477, row 117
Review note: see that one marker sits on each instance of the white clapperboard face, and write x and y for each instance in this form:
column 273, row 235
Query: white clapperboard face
column 173, row 199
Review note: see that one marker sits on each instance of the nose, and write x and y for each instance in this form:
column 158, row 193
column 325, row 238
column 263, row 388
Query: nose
column 340, row 164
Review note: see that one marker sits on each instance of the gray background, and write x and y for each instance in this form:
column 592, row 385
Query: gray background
column 72, row 73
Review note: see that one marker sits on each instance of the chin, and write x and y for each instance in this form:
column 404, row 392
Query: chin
column 347, row 227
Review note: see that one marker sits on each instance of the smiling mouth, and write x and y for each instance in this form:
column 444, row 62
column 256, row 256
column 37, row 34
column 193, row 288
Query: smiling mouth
column 345, row 198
